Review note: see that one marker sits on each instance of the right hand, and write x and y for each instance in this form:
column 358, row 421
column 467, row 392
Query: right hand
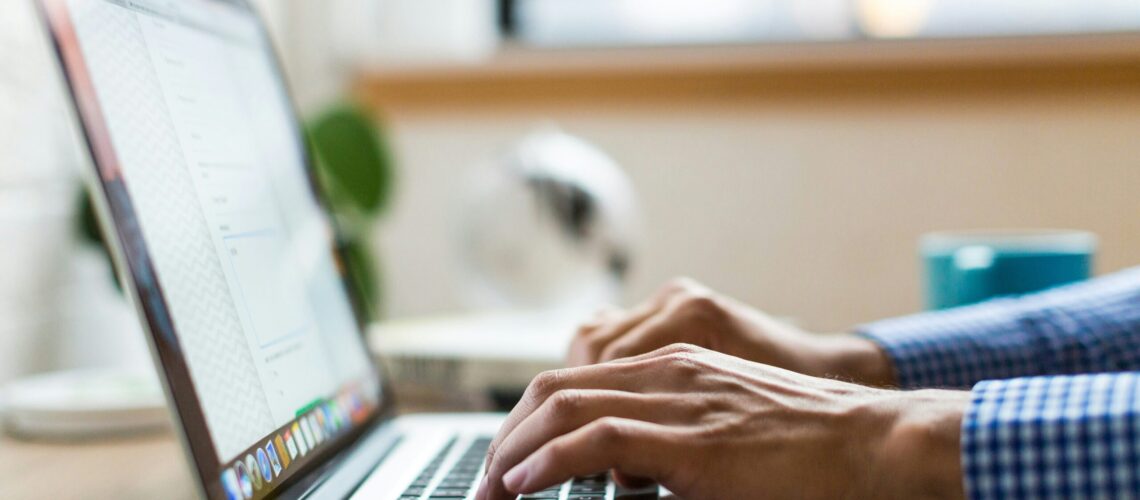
column 684, row 311
column 711, row 426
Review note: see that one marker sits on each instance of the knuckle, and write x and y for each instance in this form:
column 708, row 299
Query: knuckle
column 684, row 364
column 567, row 402
column 681, row 348
column 699, row 305
column 608, row 431
column 585, row 330
column 546, row 382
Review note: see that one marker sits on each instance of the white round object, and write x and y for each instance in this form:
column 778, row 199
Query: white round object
column 551, row 224
column 85, row 404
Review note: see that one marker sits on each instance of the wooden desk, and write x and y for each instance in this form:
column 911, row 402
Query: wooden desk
column 143, row 468
column 132, row 468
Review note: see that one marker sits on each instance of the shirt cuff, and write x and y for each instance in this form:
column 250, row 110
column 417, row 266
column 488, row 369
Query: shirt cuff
column 1053, row 437
column 956, row 348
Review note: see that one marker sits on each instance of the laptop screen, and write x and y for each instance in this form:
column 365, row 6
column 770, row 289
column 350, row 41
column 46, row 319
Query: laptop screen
column 204, row 172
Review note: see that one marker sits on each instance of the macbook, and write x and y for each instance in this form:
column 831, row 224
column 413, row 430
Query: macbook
column 205, row 188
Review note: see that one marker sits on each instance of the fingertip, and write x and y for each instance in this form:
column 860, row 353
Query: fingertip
column 481, row 491
column 515, row 479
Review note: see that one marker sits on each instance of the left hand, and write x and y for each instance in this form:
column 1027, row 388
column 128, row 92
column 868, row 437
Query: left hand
column 709, row 425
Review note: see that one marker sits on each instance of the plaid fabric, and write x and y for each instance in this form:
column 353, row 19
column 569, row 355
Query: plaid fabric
column 1060, row 436
column 1090, row 327
column 1053, row 437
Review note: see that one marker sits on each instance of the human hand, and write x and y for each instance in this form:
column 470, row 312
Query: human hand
column 708, row 425
column 684, row 311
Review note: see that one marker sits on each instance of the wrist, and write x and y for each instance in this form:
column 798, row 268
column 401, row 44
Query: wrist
column 857, row 359
column 920, row 455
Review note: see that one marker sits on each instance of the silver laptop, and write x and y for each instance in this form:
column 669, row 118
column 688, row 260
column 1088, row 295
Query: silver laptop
column 202, row 178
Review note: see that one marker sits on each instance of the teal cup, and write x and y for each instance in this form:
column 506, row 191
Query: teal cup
column 964, row 268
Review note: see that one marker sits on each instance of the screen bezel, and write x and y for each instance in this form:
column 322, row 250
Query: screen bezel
column 120, row 226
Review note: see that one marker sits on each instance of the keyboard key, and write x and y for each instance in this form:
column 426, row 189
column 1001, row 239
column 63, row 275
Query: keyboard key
column 647, row 493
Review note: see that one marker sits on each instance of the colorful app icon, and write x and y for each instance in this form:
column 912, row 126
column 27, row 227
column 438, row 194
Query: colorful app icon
column 356, row 409
column 267, row 470
column 322, row 422
column 310, row 427
column 254, row 472
column 274, row 460
column 345, row 409
column 335, row 416
column 299, row 436
column 317, row 426
column 326, row 421
column 230, row 485
column 282, row 453
column 314, row 426
column 244, row 482
column 346, row 412
column 336, row 410
column 291, row 444
column 308, row 432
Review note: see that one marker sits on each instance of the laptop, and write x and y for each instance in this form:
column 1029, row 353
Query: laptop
column 202, row 180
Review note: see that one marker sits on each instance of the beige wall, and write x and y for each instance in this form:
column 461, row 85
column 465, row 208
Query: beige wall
column 806, row 204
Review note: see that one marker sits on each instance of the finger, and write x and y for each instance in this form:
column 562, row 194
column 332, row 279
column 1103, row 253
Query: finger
column 688, row 317
column 608, row 376
column 590, row 342
column 578, row 354
column 569, row 410
column 655, row 333
column 603, row 316
column 631, row 482
column 631, row 447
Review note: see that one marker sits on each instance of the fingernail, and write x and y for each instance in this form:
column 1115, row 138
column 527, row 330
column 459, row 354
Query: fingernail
column 515, row 478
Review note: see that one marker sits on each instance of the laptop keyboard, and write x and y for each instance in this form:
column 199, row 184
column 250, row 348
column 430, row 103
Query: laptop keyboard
column 459, row 481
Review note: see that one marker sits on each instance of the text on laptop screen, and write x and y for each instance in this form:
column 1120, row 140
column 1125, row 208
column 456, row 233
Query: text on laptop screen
column 205, row 143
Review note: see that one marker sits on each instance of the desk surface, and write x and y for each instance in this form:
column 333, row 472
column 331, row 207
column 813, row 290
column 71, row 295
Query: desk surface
column 132, row 468
column 150, row 467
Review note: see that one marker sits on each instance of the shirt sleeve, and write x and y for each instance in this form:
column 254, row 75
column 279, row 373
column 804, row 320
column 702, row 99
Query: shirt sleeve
column 1053, row 437
column 1090, row 327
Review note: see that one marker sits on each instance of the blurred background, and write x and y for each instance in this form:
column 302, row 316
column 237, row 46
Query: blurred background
column 788, row 153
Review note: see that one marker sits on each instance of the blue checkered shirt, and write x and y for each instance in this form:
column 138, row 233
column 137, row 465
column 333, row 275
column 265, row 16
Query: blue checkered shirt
column 1055, row 412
